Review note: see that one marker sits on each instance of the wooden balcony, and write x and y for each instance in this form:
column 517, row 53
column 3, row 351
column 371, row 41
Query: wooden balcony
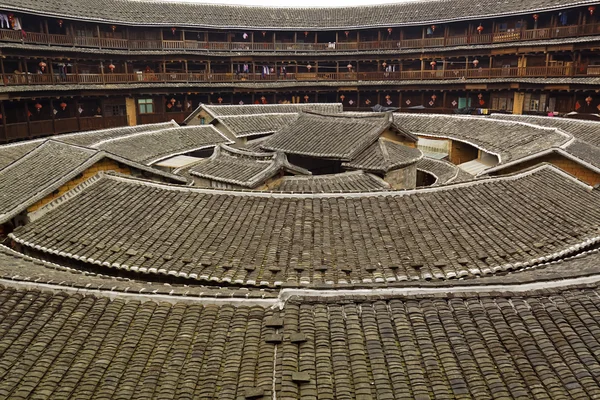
column 35, row 129
column 174, row 77
column 7, row 35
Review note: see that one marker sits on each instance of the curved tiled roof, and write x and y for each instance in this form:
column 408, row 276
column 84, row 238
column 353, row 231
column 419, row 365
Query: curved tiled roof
column 241, row 167
column 354, row 181
column 443, row 171
column 149, row 147
column 12, row 152
column 169, row 14
column 492, row 343
column 508, row 140
column 47, row 168
column 163, row 291
column 270, row 238
column 340, row 136
column 256, row 124
column 383, row 156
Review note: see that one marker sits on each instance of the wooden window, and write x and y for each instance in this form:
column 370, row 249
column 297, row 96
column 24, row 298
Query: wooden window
column 146, row 106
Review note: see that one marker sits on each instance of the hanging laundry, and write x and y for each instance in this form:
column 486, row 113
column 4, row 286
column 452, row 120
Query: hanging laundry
column 563, row 18
column 4, row 21
column 17, row 24
column 429, row 31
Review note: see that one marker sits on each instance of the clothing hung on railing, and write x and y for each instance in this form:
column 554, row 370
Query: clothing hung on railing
column 563, row 18
column 4, row 21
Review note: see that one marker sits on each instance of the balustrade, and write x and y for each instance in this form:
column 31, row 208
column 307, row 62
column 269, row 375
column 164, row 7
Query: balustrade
column 175, row 77
column 191, row 45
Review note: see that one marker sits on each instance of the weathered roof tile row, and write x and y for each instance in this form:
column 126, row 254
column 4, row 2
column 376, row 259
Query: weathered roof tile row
column 149, row 147
column 487, row 345
column 355, row 181
column 12, row 152
column 256, row 124
column 588, row 131
column 384, row 155
column 463, row 230
column 231, row 16
column 509, row 140
column 443, row 171
column 51, row 165
column 241, row 167
column 334, row 136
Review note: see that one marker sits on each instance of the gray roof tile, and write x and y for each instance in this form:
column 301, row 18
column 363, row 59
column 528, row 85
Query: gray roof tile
column 241, row 167
column 383, row 156
column 355, row 181
column 214, row 235
column 314, row 18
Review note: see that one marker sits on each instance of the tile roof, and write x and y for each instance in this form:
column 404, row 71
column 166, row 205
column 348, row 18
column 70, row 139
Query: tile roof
column 227, row 110
column 383, row 156
column 18, row 267
column 271, row 238
column 148, row 147
column 468, row 345
column 585, row 151
column 255, row 124
column 46, row 168
column 12, row 152
column 444, row 171
column 585, row 147
column 354, row 181
column 334, row 136
column 241, row 167
column 507, row 139
column 588, row 131
column 255, row 144
column 283, row 18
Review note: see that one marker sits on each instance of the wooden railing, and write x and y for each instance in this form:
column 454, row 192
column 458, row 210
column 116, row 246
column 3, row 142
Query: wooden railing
column 177, row 77
column 33, row 129
column 248, row 46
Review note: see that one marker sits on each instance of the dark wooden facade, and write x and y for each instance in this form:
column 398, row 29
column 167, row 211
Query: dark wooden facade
column 61, row 75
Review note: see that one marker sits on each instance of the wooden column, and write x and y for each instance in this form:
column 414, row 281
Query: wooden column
column 28, row 122
column 51, row 70
column 53, row 117
column 77, row 115
column 3, row 111
column 2, row 72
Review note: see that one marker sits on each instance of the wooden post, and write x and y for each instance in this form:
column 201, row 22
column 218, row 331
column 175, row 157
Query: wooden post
column 25, row 70
column 51, row 70
column 53, row 117
column 5, row 135
column 29, row 123
column 77, row 115
column 3, row 75
column 102, row 71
